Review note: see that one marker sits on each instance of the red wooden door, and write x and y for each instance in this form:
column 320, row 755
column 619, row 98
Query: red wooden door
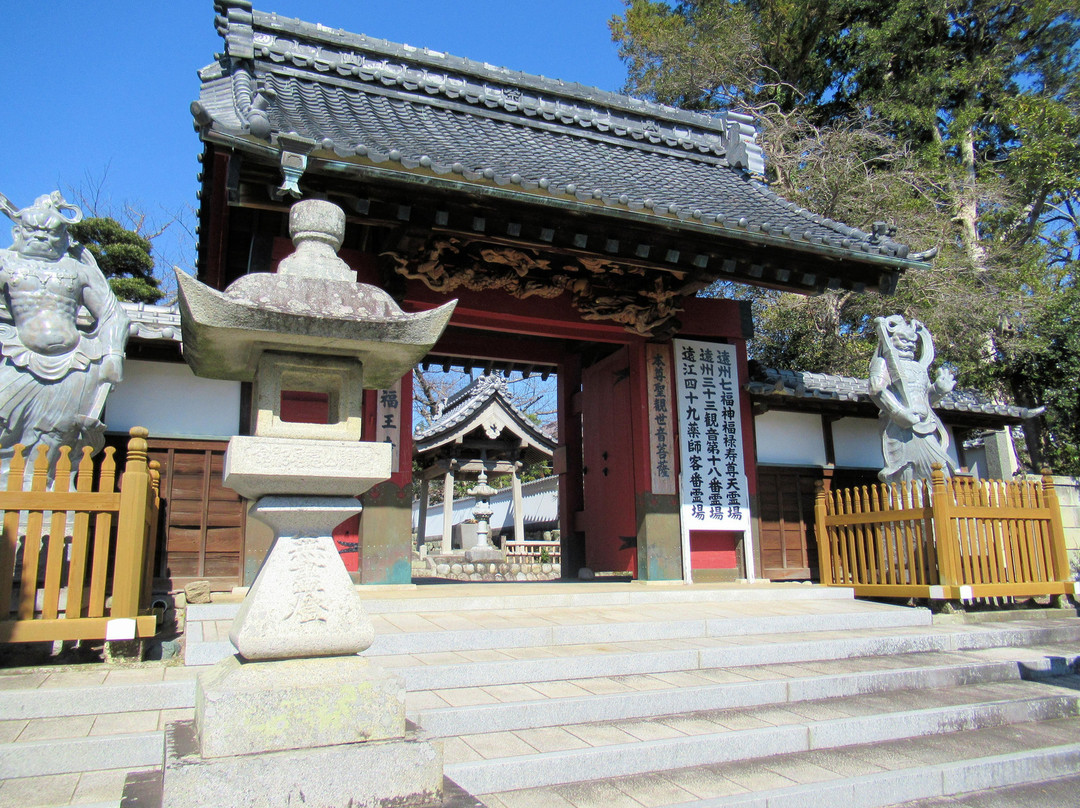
column 609, row 519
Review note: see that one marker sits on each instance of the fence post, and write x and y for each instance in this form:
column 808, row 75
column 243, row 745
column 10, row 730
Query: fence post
column 944, row 540
column 825, row 560
column 1057, row 530
column 131, row 527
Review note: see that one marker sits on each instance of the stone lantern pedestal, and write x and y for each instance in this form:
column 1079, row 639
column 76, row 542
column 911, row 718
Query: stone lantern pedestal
column 296, row 716
column 483, row 551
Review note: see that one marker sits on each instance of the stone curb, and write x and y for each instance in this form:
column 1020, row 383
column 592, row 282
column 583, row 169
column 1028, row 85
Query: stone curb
column 432, row 677
column 615, row 760
column 447, row 721
column 884, row 789
column 96, row 700
column 199, row 652
column 71, row 755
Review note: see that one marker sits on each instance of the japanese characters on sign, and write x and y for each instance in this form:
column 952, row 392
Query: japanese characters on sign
column 661, row 419
column 713, row 490
column 388, row 421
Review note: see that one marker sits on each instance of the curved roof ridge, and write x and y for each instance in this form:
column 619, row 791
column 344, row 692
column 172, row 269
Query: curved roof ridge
column 806, row 384
column 471, row 399
column 442, row 61
column 251, row 35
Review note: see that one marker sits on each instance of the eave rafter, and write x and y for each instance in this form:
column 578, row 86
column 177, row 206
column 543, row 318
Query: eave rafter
column 614, row 268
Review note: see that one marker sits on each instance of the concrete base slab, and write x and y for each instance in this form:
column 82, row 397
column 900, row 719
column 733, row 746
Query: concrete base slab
column 377, row 774
column 143, row 790
column 484, row 555
column 244, row 708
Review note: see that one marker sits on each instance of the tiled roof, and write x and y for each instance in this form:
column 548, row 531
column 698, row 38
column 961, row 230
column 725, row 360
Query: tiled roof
column 772, row 383
column 153, row 322
column 469, row 401
column 349, row 99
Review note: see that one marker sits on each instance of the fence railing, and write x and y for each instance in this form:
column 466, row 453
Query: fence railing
column 73, row 560
column 534, row 552
column 954, row 538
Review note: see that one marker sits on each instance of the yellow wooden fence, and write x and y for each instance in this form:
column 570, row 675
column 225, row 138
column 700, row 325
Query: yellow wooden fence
column 955, row 538
column 87, row 555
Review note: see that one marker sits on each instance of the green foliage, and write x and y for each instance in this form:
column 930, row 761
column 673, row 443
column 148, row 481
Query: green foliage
column 955, row 121
column 123, row 256
column 1044, row 370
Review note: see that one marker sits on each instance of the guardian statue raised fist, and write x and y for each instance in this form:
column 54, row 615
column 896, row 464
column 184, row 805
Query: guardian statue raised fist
column 912, row 436
column 56, row 370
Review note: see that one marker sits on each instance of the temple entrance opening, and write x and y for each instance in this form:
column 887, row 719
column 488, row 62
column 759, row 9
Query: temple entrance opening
column 547, row 421
column 486, row 495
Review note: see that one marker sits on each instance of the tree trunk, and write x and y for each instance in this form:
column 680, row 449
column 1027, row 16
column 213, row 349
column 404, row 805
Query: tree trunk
column 967, row 204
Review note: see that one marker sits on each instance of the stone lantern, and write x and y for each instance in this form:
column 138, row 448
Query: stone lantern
column 296, row 700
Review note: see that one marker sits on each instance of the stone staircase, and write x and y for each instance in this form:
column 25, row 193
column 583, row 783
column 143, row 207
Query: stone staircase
column 555, row 695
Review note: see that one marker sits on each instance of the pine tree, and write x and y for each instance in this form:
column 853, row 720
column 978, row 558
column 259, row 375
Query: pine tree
column 123, row 256
column 956, row 121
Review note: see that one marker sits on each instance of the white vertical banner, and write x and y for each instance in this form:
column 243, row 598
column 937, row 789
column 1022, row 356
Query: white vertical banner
column 713, row 491
column 388, row 422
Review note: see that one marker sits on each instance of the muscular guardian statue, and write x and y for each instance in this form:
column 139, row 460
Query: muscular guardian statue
column 55, row 371
column 912, row 436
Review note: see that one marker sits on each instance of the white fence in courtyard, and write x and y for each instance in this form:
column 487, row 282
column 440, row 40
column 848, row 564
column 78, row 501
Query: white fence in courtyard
column 540, row 503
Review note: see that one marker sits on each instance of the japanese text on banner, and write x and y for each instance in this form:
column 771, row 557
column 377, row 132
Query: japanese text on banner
column 661, row 420
column 713, row 488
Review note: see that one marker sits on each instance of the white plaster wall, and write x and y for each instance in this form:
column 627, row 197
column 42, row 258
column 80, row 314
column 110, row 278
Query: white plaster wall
column 789, row 438
column 976, row 461
column 172, row 402
column 857, row 443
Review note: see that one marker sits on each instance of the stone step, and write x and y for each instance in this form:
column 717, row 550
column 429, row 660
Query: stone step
column 443, row 670
column 70, row 736
column 207, row 626
column 72, row 755
column 580, row 627
column 97, row 789
column 55, row 702
column 88, row 690
column 632, row 654
column 873, row 775
column 505, row 761
column 1055, row 793
column 447, row 712
column 489, row 597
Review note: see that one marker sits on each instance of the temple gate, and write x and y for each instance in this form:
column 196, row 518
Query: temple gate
column 574, row 226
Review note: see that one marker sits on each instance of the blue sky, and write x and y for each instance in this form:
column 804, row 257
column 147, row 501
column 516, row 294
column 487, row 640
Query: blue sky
column 97, row 93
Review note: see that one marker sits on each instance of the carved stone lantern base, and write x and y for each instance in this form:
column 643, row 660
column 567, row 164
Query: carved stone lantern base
column 492, row 555
column 303, row 602
column 296, row 714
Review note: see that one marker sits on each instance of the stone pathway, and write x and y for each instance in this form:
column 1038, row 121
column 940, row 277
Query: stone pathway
column 628, row 695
